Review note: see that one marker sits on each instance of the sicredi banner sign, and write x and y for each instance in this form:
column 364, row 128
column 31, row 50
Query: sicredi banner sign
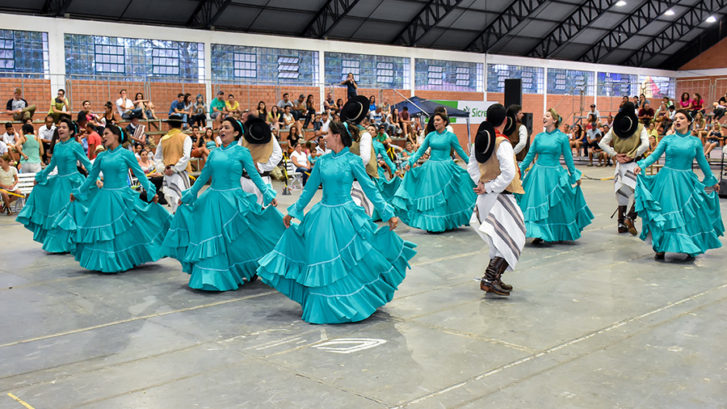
column 477, row 109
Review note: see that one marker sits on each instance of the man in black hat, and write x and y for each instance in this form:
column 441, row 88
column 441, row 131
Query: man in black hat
column 498, row 218
column 172, row 159
column 265, row 151
column 629, row 145
column 354, row 112
column 516, row 131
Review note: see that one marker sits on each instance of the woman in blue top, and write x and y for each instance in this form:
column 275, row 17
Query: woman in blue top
column 438, row 195
column 220, row 237
column 117, row 231
column 51, row 194
column 677, row 214
column 554, row 209
column 336, row 263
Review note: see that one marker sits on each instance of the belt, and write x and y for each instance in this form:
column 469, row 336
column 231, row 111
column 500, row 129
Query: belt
column 246, row 176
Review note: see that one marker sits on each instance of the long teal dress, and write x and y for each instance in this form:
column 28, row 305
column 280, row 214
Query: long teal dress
column 117, row 231
column 387, row 187
column 676, row 212
column 51, row 195
column 220, row 237
column 554, row 210
column 336, row 263
column 438, row 195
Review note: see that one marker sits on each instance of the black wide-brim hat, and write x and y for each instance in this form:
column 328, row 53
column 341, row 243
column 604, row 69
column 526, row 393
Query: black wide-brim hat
column 175, row 119
column 258, row 138
column 510, row 124
column 485, row 142
column 626, row 122
column 356, row 109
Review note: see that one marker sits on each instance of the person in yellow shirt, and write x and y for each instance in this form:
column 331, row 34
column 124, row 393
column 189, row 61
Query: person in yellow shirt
column 232, row 107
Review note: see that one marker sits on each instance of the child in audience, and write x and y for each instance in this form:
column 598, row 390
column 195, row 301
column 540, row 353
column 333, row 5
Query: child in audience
column 8, row 183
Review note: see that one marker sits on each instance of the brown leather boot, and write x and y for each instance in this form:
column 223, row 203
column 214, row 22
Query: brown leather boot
column 630, row 218
column 490, row 282
column 622, row 228
column 501, row 265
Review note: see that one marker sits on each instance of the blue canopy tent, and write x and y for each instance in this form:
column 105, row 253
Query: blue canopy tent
column 420, row 107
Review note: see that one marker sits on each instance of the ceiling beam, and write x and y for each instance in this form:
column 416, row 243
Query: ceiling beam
column 206, row 13
column 513, row 15
column 691, row 50
column 689, row 21
column 55, row 8
column 644, row 15
column 570, row 27
column 431, row 14
column 328, row 17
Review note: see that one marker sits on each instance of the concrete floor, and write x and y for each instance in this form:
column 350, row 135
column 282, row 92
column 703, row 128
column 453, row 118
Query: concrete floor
column 591, row 324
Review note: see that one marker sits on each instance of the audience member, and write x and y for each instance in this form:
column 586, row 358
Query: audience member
column 329, row 104
column 685, row 102
column 593, row 136
column 274, row 118
column 125, row 106
column 310, row 110
column 594, row 111
column 295, row 136
column 285, row 102
column 287, row 118
column 232, row 107
column 31, row 149
column 646, row 113
column 699, row 127
column 325, row 122
column 11, row 139
column 45, row 132
column 199, row 113
column 188, row 108
column 351, row 86
column 406, row 125
column 59, row 106
column 300, row 160
column 19, row 107
column 8, row 183
column 262, row 111
column 697, row 104
column 110, row 117
column 132, row 128
column 217, row 108
column 299, row 108
column 714, row 139
column 177, row 107
column 146, row 106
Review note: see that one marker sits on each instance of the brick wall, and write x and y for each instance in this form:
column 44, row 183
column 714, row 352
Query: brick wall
column 35, row 91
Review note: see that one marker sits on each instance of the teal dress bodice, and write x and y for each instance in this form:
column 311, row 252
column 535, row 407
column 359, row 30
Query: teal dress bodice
column 65, row 156
column 380, row 149
column 549, row 146
column 441, row 145
column 115, row 165
column 224, row 166
column 681, row 150
column 336, row 172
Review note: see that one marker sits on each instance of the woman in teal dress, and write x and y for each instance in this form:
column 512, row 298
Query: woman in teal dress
column 336, row 263
column 387, row 187
column 437, row 196
column 117, row 231
column 220, row 236
column 51, row 194
column 678, row 216
column 554, row 209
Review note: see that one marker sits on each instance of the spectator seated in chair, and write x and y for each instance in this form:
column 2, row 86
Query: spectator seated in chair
column 8, row 183
column 19, row 107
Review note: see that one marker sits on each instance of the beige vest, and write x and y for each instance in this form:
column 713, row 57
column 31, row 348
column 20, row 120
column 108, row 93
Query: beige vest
column 173, row 147
column 628, row 145
column 372, row 168
column 491, row 169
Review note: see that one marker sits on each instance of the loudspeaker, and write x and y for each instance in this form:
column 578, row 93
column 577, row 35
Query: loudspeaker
column 528, row 122
column 513, row 92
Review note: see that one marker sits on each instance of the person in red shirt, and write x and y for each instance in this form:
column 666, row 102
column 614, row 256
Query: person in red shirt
column 93, row 139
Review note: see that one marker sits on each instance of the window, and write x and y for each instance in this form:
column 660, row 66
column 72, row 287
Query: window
column 532, row 77
column 165, row 61
column 570, row 82
column 462, row 76
column 109, row 58
column 245, row 65
column 615, row 85
column 435, row 75
column 385, row 72
column 7, row 50
column 351, row 66
column 288, row 67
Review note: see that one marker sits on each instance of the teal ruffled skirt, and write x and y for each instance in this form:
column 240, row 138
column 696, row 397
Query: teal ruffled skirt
column 117, row 231
column 554, row 210
column 677, row 213
column 44, row 207
column 337, row 265
column 220, row 238
column 387, row 188
column 437, row 196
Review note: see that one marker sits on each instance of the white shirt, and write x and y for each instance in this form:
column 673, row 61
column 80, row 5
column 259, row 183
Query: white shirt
column 523, row 133
column 45, row 133
column 3, row 148
column 123, row 105
column 605, row 143
column 505, row 155
column 274, row 159
column 301, row 158
column 10, row 139
column 324, row 127
column 365, row 145
column 181, row 165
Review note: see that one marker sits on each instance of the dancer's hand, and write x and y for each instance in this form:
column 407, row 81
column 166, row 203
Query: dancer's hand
column 274, row 203
column 480, row 188
column 155, row 199
column 178, row 204
column 393, row 222
column 286, row 220
column 716, row 187
column 622, row 158
column 637, row 170
column 73, row 198
column 578, row 182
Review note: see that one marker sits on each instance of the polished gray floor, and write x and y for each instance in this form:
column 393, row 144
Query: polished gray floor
column 592, row 324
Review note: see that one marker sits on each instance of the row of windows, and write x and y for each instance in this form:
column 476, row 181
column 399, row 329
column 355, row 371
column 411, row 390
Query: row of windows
column 27, row 52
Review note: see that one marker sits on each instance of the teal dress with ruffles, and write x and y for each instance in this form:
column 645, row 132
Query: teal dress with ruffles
column 554, row 210
column 337, row 264
column 116, row 231
column 220, row 236
column 437, row 196
column 387, row 187
column 676, row 212
column 51, row 194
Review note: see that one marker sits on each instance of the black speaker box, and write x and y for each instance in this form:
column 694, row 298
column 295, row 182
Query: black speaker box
column 513, row 92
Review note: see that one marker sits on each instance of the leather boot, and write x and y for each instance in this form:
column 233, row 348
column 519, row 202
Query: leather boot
column 490, row 283
column 630, row 218
column 501, row 265
column 622, row 228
